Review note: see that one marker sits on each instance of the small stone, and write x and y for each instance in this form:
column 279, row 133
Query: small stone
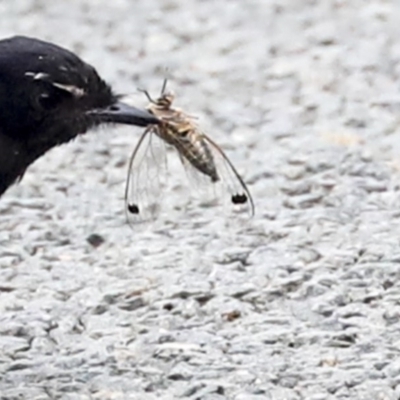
column 95, row 240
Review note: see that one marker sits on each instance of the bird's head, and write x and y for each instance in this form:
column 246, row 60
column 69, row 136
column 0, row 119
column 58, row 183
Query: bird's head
column 49, row 95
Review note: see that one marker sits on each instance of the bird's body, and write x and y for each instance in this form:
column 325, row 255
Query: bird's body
column 48, row 96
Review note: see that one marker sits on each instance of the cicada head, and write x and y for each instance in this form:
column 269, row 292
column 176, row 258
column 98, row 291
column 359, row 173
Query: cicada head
column 165, row 100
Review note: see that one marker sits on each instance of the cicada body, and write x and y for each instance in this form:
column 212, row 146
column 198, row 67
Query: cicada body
column 199, row 154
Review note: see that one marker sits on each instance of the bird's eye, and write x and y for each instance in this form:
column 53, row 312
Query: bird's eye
column 45, row 101
column 51, row 99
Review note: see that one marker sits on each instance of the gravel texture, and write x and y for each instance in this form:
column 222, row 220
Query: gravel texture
column 300, row 302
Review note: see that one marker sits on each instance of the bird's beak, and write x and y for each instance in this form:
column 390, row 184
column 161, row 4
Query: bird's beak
column 123, row 113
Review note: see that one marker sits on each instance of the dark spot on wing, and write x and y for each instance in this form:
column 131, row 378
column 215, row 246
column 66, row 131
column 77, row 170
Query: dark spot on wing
column 239, row 198
column 133, row 208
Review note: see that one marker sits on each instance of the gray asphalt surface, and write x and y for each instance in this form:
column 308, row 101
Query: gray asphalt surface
column 300, row 302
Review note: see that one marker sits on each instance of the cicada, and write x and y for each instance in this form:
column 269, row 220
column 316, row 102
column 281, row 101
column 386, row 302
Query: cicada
column 202, row 158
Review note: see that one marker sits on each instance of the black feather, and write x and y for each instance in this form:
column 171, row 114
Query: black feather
column 48, row 96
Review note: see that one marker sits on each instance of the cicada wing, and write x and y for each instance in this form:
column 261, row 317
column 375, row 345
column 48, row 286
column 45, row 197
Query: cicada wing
column 231, row 182
column 147, row 175
column 199, row 182
column 229, row 190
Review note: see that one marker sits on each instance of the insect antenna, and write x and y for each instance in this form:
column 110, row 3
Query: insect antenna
column 146, row 93
column 164, row 86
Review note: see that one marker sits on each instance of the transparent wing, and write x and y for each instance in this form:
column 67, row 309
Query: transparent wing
column 229, row 189
column 147, row 174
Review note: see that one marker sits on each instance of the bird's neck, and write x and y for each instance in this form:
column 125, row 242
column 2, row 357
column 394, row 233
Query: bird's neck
column 13, row 162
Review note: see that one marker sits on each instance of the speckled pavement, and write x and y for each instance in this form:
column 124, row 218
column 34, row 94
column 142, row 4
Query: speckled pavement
column 300, row 302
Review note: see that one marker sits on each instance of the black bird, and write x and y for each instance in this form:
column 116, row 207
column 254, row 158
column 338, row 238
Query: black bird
column 48, row 96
